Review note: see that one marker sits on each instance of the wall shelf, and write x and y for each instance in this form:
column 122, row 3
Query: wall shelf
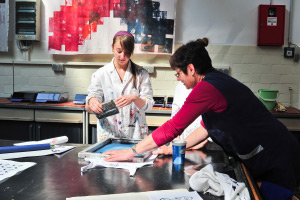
column 22, row 62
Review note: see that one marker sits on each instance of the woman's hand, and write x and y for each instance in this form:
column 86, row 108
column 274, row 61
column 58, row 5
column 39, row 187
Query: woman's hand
column 95, row 105
column 125, row 100
column 164, row 150
column 147, row 144
column 119, row 155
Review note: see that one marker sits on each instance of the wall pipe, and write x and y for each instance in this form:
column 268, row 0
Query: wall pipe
column 290, row 23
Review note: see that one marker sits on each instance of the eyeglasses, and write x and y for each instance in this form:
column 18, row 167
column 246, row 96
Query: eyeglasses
column 178, row 74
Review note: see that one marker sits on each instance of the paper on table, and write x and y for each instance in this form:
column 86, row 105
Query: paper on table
column 61, row 149
column 174, row 196
column 126, row 196
column 52, row 141
column 55, row 150
column 130, row 166
column 10, row 168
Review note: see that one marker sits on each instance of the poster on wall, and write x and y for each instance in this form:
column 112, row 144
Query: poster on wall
column 88, row 26
column 4, row 24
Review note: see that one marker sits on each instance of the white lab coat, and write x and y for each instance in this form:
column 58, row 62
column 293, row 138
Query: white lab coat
column 130, row 122
column 180, row 95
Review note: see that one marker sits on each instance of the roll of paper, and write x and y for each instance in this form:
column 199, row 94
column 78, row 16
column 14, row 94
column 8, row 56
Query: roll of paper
column 52, row 141
column 59, row 140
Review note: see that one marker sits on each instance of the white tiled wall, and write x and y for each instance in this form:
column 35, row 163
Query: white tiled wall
column 256, row 67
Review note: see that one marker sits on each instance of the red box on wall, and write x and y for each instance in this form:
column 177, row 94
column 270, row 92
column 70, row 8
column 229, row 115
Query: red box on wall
column 271, row 20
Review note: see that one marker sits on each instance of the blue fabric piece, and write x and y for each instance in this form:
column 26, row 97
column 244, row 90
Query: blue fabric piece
column 272, row 191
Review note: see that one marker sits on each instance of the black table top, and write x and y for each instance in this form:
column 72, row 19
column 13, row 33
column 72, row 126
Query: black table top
column 60, row 177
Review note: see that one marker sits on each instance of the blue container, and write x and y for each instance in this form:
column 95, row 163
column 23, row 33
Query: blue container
column 178, row 147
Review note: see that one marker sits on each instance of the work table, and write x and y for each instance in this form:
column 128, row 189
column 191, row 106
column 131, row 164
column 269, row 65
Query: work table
column 60, row 177
column 37, row 121
column 43, row 120
column 69, row 105
column 290, row 118
column 290, row 112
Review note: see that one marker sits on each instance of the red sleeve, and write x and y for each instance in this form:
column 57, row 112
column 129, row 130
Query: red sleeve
column 203, row 98
column 202, row 124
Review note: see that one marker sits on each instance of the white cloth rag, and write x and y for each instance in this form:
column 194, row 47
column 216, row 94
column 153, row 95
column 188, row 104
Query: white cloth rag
column 218, row 184
column 130, row 166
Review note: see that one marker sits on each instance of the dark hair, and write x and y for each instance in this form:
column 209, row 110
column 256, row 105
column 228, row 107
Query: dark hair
column 193, row 52
column 127, row 44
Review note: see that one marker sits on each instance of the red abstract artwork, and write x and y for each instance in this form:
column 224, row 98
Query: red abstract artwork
column 75, row 22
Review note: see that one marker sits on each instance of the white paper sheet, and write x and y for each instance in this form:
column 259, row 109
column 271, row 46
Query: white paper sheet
column 176, row 196
column 127, row 196
column 10, row 168
column 56, row 150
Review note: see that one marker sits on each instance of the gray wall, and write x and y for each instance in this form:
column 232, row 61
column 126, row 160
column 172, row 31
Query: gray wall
column 229, row 22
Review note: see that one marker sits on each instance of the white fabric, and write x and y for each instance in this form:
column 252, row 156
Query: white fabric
column 130, row 166
column 218, row 184
column 180, row 95
column 131, row 121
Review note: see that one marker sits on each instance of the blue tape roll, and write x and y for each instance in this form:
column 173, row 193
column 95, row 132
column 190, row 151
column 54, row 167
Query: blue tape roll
column 11, row 149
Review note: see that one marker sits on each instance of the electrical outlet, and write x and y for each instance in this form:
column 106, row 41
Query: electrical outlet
column 150, row 69
column 57, row 67
column 289, row 52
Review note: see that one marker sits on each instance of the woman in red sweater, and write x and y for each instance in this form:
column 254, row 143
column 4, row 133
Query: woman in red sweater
column 234, row 118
